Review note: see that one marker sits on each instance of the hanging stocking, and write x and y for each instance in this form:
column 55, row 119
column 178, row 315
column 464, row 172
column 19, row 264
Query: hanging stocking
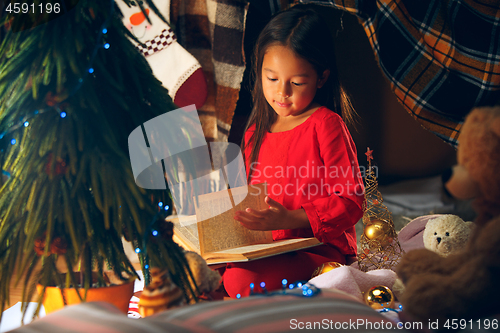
column 176, row 68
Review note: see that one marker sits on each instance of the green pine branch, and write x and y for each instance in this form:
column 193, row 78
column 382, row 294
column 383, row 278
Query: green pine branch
column 71, row 177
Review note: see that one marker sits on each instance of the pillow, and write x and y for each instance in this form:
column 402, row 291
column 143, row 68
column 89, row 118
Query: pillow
column 329, row 310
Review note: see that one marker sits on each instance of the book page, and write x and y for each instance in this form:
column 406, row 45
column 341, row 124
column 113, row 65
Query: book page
column 186, row 229
column 257, row 251
column 274, row 247
column 216, row 227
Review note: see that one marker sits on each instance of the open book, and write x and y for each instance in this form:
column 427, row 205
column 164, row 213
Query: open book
column 218, row 238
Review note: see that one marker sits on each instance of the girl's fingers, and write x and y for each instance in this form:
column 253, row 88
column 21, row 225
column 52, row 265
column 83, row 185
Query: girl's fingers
column 274, row 205
column 244, row 216
column 252, row 226
column 257, row 213
column 249, row 222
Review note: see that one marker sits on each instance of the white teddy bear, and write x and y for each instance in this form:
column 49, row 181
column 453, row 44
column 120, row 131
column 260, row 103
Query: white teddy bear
column 447, row 234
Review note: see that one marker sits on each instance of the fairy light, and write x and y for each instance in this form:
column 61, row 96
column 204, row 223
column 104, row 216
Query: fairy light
column 399, row 309
column 155, row 233
column 24, row 121
column 160, row 204
column 284, row 282
column 300, row 288
column 137, row 250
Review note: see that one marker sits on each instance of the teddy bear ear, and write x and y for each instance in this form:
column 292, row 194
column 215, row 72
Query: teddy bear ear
column 471, row 225
column 495, row 125
column 461, row 185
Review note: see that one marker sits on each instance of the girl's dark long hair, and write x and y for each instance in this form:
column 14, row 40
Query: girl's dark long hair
column 304, row 32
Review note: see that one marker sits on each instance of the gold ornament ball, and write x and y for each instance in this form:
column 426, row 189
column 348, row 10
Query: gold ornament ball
column 378, row 230
column 379, row 297
column 326, row 267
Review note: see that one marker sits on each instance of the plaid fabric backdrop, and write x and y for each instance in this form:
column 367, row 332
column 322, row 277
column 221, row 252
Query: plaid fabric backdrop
column 212, row 31
column 442, row 57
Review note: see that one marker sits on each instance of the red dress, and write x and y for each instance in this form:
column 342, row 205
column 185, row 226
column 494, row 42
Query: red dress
column 314, row 167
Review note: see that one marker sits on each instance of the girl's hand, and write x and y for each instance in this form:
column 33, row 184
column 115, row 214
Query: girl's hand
column 273, row 218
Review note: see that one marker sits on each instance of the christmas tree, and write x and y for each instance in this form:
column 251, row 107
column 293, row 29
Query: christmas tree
column 379, row 246
column 72, row 89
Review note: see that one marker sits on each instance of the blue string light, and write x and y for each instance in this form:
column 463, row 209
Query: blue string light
column 167, row 207
column 284, row 282
column 399, row 309
column 153, row 232
column 160, row 204
column 13, row 141
column 146, row 266
column 305, row 289
column 63, row 114
column 238, row 296
column 137, row 250
column 102, row 31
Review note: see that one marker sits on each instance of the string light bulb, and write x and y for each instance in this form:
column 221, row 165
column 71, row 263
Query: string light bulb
column 284, row 282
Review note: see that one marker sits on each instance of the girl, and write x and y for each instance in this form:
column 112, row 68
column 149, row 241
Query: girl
column 296, row 141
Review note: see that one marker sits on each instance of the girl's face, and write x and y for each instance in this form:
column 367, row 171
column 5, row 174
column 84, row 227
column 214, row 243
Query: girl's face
column 289, row 82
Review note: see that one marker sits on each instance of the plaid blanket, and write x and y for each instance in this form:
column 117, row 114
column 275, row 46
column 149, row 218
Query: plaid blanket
column 212, row 31
column 442, row 57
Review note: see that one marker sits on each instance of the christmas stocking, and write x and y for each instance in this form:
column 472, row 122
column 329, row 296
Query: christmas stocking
column 175, row 67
